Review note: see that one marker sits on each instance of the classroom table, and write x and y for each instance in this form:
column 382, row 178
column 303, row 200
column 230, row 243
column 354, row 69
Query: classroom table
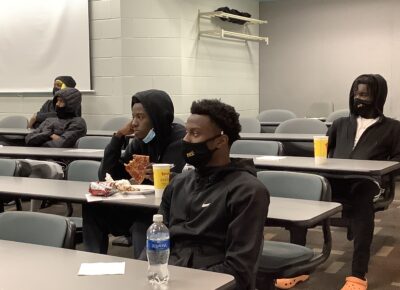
column 282, row 137
column 24, row 132
column 51, row 153
column 333, row 166
column 283, row 209
column 28, row 266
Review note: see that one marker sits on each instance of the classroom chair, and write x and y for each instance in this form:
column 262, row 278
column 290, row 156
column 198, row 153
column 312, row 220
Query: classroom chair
column 274, row 115
column 319, row 110
column 286, row 260
column 19, row 122
column 178, row 120
column 93, row 142
column 301, row 126
column 257, row 147
column 37, row 228
column 81, row 170
column 338, row 114
column 9, row 167
column 250, row 125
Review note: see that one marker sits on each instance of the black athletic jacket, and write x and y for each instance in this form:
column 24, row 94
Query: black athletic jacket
column 216, row 219
column 166, row 147
column 70, row 129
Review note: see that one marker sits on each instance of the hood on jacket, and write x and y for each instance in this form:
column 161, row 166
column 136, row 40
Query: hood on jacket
column 68, row 81
column 72, row 99
column 377, row 88
column 159, row 107
column 237, row 164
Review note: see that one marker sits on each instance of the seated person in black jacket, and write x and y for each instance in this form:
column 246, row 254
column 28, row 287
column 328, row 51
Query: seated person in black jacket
column 215, row 213
column 155, row 136
column 48, row 109
column 66, row 128
column 366, row 134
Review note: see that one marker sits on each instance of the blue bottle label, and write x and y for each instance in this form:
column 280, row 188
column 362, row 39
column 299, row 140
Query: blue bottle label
column 154, row 245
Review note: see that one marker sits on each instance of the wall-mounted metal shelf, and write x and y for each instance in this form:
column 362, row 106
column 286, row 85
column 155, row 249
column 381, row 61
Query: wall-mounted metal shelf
column 227, row 34
column 221, row 14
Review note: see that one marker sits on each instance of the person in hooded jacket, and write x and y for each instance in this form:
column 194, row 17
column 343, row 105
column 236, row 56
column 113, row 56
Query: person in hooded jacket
column 48, row 109
column 66, row 128
column 369, row 135
column 216, row 212
column 156, row 136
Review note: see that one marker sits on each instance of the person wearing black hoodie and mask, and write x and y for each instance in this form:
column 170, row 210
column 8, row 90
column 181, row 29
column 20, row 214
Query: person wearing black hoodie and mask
column 66, row 128
column 216, row 212
column 48, row 109
column 366, row 134
column 369, row 135
column 155, row 136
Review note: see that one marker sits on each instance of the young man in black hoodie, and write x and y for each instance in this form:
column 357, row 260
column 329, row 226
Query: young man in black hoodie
column 366, row 134
column 66, row 128
column 48, row 109
column 215, row 213
column 155, row 136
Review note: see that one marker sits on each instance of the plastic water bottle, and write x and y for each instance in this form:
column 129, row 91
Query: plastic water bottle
column 157, row 248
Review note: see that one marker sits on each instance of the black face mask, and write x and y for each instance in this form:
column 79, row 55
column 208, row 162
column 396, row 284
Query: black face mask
column 62, row 114
column 198, row 154
column 365, row 109
column 55, row 90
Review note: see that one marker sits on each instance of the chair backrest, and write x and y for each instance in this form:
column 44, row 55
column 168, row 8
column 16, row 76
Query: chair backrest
column 37, row 228
column 295, row 185
column 302, row 125
column 257, row 147
column 115, row 123
column 338, row 114
column 250, row 125
column 319, row 109
column 83, row 170
column 275, row 115
column 93, row 142
column 7, row 167
column 14, row 122
column 178, row 120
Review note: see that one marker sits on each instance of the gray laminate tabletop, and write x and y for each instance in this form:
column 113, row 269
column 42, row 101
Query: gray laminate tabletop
column 333, row 165
column 53, row 153
column 27, row 267
column 288, row 137
column 23, row 132
column 300, row 212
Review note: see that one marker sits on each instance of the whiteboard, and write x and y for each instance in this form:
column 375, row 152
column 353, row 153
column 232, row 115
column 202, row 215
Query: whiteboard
column 42, row 39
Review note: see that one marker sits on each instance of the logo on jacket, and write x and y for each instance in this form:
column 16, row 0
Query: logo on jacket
column 205, row 204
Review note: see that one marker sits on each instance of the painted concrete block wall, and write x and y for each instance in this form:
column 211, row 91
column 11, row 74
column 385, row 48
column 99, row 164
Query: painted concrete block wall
column 138, row 45
column 317, row 48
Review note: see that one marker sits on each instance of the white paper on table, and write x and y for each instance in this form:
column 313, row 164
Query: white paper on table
column 84, row 150
column 117, row 196
column 270, row 157
column 90, row 269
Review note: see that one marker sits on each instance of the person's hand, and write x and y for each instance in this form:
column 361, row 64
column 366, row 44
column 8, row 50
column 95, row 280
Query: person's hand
column 125, row 130
column 55, row 137
column 149, row 172
column 32, row 121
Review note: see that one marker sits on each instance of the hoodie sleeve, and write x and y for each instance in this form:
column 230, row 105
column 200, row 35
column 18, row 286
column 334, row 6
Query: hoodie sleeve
column 40, row 135
column 113, row 160
column 248, row 206
column 332, row 138
column 45, row 112
column 395, row 148
column 75, row 130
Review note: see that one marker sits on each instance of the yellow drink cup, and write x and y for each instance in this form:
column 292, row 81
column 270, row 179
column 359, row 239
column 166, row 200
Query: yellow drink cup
column 320, row 149
column 161, row 178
